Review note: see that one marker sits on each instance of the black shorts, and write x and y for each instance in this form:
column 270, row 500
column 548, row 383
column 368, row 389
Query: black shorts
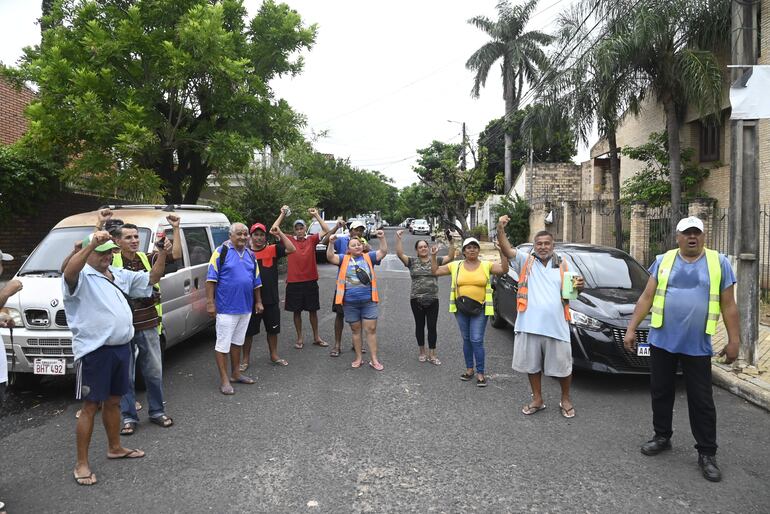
column 336, row 307
column 104, row 372
column 302, row 296
column 271, row 317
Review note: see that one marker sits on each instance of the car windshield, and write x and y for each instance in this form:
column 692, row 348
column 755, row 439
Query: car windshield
column 57, row 245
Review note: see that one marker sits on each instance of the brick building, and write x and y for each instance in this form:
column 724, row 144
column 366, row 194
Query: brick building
column 13, row 101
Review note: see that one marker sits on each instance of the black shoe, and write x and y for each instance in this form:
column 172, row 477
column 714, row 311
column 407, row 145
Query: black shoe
column 481, row 382
column 708, row 466
column 656, row 445
column 466, row 376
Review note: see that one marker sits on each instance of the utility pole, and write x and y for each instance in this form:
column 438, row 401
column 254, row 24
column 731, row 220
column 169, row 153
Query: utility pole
column 531, row 170
column 465, row 145
column 744, row 186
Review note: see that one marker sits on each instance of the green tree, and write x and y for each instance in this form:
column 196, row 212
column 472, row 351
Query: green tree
column 552, row 142
column 25, row 180
column 454, row 189
column 652, row 185
column 517, row 230
column 593, row 89
column 673, row 43
column 153, row 96
column 522, row 59
column 417, row 201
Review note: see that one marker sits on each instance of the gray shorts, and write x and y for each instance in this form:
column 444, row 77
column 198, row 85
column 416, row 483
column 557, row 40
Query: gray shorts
column 533, row 353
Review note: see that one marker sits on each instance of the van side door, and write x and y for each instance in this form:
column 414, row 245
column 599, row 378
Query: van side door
column 174, row 291
column 198, row 249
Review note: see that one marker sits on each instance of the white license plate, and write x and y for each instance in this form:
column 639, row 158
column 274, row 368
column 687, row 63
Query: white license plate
column 50, row 367
column 643, row 350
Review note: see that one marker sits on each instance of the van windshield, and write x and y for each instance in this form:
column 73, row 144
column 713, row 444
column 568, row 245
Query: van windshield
column 58, row 244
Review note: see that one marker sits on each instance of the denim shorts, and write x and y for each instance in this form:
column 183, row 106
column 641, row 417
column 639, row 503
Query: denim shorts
column 356, row 311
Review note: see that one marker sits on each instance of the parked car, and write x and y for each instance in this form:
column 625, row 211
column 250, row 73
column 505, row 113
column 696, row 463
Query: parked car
column 407, row 222
column 320, row 248
column 42, row 342
column 613, row 283
column 420, row 227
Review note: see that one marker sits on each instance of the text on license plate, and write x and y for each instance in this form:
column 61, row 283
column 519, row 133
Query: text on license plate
column 50, row 367
column 643, row 350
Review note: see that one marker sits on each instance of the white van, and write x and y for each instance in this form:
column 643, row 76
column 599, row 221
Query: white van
column 41, row 344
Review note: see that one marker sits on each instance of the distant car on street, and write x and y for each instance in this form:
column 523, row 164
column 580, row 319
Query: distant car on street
column 420, row 227
column 614, row 281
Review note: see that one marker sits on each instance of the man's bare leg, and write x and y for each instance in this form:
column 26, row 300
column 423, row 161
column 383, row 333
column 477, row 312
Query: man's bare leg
column 221, row 359
column 535, row 383
column 314, row 325
column 566, row 402
column 111, row 422
column 83, row 430
column 298, row 326
column 246, row 357
column 339, row 326
column 272, row 346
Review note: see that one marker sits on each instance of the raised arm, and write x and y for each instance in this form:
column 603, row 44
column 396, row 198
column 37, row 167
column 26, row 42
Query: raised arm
column 280, row 218
column 102, row 217
column 435, row 268
column 10, row 289
column 505, row 246
column 400, row 248
column 287, row 244
column 159, row 266
column 451, row 251
column 332, row 257
column 339, row 224
column 176, row 247
column 500, row 268
column 324, row 227
column 383, row 250
column 78, row 261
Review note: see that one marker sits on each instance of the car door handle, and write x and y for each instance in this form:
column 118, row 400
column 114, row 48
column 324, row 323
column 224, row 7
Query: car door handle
column 196, row 283
column 187, row 286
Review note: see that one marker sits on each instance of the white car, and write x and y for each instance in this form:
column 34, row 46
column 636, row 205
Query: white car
column 420, row 227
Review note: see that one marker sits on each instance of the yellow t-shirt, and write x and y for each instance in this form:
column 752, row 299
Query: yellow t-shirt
column 472, row 283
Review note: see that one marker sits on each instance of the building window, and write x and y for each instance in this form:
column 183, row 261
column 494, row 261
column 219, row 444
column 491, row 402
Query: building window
column 709, row 142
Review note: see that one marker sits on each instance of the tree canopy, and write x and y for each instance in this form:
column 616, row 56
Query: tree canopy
column 153, row 96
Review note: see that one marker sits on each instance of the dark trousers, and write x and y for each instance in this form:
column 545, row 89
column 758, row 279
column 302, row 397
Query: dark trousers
column 422, row 315
column 700, row 401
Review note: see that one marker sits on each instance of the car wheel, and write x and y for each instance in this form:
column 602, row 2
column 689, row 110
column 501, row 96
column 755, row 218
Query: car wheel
column 497, row 320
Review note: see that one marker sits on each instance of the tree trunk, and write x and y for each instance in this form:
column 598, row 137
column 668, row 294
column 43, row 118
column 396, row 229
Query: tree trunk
column 675, row 164
column 199, row 174
column 508, row 141
column 615, row 176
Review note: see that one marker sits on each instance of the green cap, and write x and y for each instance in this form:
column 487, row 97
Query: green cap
column 104, row 247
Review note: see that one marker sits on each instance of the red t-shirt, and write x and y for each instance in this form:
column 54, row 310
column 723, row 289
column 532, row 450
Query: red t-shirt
column 302, row 266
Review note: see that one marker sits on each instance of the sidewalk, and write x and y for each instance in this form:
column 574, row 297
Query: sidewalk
column 751, row 384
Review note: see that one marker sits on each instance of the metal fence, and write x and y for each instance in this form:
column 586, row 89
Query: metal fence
column 662, row 222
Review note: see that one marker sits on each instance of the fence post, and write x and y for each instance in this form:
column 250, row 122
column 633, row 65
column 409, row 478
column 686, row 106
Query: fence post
column 598, row 229
column 568, row 221
column 703, row 208
column 639, row 246
column 537, row 216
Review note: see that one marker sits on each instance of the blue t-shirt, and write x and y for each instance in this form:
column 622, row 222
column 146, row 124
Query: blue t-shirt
column 236, row 280
column 355, row 291
column 686, row 306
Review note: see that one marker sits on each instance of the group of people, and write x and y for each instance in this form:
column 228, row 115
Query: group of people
column 106, row 273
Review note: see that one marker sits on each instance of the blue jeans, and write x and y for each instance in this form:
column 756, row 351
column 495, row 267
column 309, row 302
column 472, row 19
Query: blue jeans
column 472, row 331
column 147, row 342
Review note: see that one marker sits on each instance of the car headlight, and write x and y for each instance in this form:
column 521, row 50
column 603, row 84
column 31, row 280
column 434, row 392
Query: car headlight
column 581, row 320
column 14, row 314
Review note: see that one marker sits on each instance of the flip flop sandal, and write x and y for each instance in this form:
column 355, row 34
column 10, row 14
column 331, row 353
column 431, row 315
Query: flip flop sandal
column 243, row 379
column 566, row 412
column 299, row 346
column 79, row 480
column 162, row 421
column 422, row 358
column 378, row 366
column 356, row 364
column 130, row 454
column 128, row 429
column 434, row 360
column 335, row 353
column 322, row 344
column 280, row 362
column 528, row 409
column 226, row 389
column 244, row 366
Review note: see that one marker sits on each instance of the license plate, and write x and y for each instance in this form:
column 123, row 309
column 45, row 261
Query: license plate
column 643, row 350
column 50, row 367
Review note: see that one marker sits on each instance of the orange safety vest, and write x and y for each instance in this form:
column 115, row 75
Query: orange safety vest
column 522, row 292
column 341, row 279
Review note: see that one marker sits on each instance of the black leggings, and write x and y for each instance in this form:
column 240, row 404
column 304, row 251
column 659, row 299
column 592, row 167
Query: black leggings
column 421, row 314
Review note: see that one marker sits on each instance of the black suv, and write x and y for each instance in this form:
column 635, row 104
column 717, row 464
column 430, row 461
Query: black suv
column 614, row 281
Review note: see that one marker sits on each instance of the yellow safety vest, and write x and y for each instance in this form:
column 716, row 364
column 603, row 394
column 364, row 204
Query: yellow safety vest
column 454, row 267
column 117, row 261
column 715, row 279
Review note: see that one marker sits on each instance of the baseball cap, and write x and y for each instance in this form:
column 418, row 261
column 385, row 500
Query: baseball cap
column 256, row 226
column 300, row 222
column 104, row 247
column 5, row 256
column 689, row 222
column 357, row 224
column 470, row 241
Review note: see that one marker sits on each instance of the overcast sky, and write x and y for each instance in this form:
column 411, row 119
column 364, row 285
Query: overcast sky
column 382, row 79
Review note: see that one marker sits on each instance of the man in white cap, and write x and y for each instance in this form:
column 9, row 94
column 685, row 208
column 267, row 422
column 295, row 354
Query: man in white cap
column 96, row 298
column 688, row 288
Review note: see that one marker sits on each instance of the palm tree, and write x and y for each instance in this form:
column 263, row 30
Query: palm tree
column 522, row 59
column 673, row 42
column 590, row 89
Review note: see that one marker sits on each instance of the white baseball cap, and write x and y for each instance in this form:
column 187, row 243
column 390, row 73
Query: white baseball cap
column 469, row 241
column 5, row 256
column 689, row 222
column 357, row 224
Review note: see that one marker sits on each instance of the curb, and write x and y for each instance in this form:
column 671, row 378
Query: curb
column 745, row 386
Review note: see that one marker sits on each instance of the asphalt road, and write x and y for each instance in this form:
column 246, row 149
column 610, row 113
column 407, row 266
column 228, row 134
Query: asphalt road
column 318, row 436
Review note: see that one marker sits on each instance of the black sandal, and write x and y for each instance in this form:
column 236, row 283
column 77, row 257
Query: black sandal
column 128, row 429
column 162, row 421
